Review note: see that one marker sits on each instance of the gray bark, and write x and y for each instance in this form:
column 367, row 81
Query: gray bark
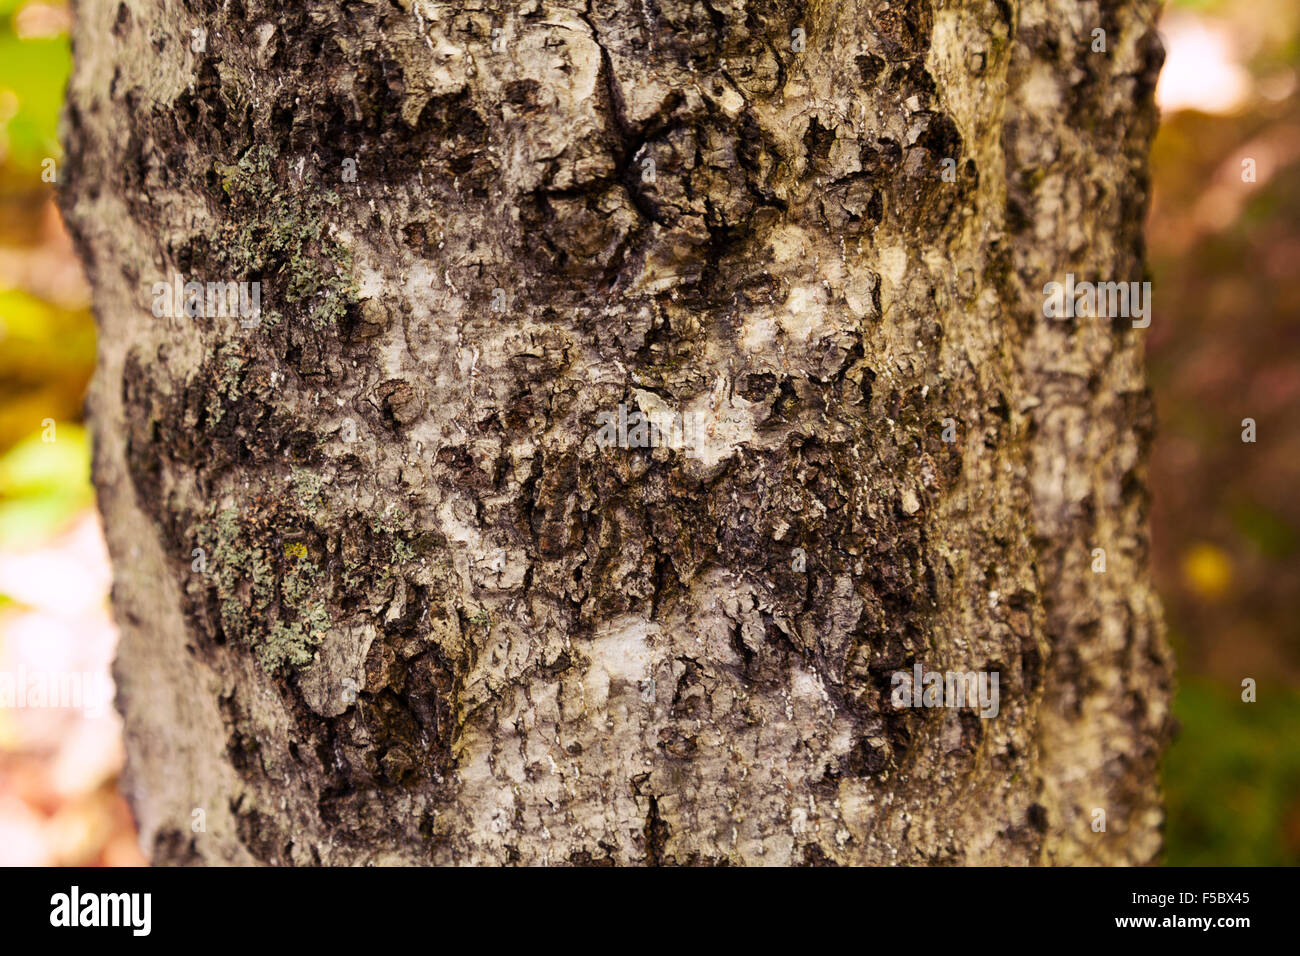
column 384, row 597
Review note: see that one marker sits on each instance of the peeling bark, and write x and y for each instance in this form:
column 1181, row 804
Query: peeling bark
column 384, row 596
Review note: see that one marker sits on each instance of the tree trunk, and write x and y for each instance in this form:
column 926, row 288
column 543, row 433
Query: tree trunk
column 399, row 582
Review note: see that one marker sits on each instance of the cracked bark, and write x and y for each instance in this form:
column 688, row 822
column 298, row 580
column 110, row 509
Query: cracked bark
column 384, row 599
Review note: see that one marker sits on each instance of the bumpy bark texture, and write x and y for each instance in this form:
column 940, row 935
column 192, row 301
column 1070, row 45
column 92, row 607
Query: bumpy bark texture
column 432, row 620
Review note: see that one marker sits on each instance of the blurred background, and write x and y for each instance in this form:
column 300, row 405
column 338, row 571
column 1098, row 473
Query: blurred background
column 1224, row 345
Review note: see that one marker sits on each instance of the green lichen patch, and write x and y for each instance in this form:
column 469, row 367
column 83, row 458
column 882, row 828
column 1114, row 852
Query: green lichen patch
column 229, row 366
column 282, row 233
column 295, row 642
column 254, row 585
column 394, row 533
column 391, row 521
column 307, row 487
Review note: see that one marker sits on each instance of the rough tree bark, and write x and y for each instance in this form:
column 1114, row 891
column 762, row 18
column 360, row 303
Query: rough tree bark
column 383, row 595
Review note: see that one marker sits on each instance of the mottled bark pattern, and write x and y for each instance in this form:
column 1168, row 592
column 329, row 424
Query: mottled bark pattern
column 435, row 622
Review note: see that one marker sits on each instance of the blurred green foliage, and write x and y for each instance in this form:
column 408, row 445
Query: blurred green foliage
column 47, row 349
column 33, row 72
column 46, row 356
column 26, row 69
column 1232, row 781
column 43, row 484
column 1226, row 521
